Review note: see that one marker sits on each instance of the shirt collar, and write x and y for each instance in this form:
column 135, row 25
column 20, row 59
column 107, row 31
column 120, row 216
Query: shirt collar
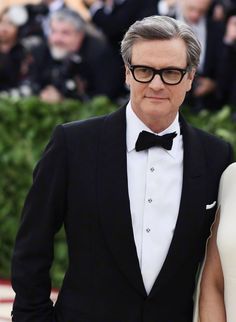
column 135, row 126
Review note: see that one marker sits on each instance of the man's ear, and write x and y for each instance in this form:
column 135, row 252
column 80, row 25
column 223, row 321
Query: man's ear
column 127, row 75
column 191, row 75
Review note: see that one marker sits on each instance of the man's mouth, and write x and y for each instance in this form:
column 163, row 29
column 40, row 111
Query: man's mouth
column 155, row 97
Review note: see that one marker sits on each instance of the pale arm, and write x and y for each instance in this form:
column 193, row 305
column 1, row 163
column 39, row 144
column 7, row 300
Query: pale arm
column 211, row 301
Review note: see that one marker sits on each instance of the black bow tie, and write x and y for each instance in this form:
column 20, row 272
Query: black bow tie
column 146, row 140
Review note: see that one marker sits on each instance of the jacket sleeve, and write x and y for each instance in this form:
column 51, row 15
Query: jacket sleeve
column 42, row 217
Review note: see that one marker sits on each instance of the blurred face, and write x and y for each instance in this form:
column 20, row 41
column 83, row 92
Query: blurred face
column 156, row 103
column 64, row 39
column 194, row 10
column 8, row 31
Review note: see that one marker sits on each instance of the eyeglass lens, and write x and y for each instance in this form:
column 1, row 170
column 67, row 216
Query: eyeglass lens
column 146, row 74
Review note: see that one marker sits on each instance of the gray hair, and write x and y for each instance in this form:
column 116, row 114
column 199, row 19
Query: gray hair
column 161, row 28
column 70, row 16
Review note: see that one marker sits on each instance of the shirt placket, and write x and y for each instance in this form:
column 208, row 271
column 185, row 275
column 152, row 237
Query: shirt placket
column 148, row 220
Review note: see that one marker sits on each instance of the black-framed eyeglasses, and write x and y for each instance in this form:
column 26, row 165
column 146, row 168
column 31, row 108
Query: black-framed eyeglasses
column 169, row 75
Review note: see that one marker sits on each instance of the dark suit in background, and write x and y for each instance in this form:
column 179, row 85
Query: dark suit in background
column 93, row 69
column 211, row 67
column 204, row 93
column 115, row 23
column 75, row 62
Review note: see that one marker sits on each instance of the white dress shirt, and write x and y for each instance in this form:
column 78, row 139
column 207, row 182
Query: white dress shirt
column 154, row 185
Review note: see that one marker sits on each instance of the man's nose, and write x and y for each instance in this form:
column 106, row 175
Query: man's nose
column 56, row 37
column 157, row 83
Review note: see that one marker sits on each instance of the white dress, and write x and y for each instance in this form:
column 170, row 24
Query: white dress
column 226, row 242
column 226, row 238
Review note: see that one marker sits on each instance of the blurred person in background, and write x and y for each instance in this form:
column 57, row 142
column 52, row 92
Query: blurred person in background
column 204, row 93
column 73, row 63
column 113, row 18
column 197, row 14
column 14, row 58
column 37, row 24
column 227, row 79
column 167, row 7
column 216, row 9
column 220, row 9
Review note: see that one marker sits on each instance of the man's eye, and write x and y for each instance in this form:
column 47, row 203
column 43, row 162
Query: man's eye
column 172, row 72
column 144, row 71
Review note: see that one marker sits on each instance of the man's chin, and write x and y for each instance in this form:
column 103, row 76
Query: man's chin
column 58, row 53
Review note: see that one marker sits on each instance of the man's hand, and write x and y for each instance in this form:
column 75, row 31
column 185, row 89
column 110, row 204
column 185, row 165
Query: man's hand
column 89, row 2
column 218, row 12
column 50, row 95
column 205, row 86
column 230, row 34
column 81, row 7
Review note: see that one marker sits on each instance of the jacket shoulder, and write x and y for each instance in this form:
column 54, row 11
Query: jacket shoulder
column 215, row 148
column 209, row 138
column 91, row 127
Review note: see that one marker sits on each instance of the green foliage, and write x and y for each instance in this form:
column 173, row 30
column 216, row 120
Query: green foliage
column 219, row 123
column 25, row 128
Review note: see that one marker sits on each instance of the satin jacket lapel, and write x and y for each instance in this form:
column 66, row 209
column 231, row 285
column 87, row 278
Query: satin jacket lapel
column 189, row 218
column 114, row 200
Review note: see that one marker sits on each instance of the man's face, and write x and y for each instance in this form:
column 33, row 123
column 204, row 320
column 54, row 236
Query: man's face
column 156, row 103
column 64, row 39
column 8, row 31
column 194, row 10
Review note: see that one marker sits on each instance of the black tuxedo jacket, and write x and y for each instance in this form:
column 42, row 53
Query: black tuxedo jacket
column 81, row 181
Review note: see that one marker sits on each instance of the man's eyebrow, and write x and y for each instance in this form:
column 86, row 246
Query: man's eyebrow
column 166, row 67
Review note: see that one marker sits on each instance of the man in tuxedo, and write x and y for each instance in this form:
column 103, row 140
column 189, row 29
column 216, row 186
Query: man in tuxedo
column 137, row 208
